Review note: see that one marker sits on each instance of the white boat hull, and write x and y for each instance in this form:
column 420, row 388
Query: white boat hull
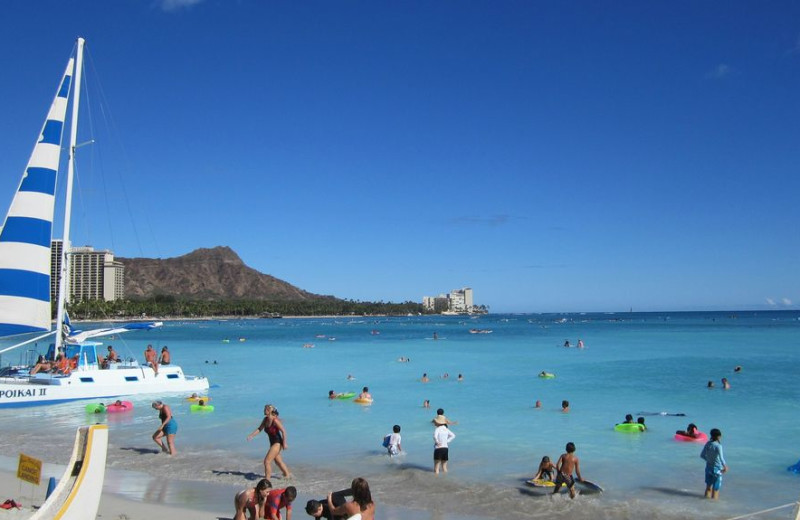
column 95, row 383
column 77, row 495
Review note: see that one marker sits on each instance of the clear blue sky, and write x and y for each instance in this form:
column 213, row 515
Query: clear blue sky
column 553, row 156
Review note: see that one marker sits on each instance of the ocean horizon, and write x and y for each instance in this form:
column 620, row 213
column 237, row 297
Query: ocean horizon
column 655, row 365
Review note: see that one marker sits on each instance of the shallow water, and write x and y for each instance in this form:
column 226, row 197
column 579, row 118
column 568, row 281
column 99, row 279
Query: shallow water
column 654, row 362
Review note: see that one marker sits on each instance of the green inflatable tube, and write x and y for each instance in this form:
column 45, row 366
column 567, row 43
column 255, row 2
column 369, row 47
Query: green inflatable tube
column 629, row 427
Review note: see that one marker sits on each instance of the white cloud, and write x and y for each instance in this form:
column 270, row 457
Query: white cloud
column 721, row 71
column 174, row 5
column 786, row 301
column 770, row 302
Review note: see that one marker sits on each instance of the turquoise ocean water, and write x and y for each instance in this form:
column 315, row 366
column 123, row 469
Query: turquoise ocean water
column 631, row 363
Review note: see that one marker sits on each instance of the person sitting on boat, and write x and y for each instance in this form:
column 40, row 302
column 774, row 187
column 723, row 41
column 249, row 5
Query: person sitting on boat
column 165, row 357
column 150, row 358
column 41, row 365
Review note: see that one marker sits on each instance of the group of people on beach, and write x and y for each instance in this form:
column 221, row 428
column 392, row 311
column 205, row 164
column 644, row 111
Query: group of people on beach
column 262, row 501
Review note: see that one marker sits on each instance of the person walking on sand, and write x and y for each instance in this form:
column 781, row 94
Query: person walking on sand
column 441, row 440
column 715, row 464
column 168, row 428
column 277, row 441
column 252, row 501
column 568, row 464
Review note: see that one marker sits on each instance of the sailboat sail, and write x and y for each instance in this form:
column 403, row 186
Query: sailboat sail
column 25, row 260
column 26, row 233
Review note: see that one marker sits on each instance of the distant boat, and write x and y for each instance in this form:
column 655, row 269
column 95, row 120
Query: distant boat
column 25, row 306
column 480, row 331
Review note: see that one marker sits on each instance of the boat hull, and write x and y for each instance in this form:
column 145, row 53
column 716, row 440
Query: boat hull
column 37, row 390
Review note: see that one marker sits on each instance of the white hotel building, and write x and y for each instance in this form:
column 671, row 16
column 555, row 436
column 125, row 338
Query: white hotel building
column 93, row 275
column 459, row 301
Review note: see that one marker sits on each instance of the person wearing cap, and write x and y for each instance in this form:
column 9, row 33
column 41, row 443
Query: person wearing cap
column 441, row 438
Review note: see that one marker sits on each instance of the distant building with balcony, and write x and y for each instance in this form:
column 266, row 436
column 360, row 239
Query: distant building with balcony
column 93, row 275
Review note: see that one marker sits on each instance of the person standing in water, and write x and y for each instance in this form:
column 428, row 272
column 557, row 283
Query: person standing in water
column 168, row 428
column 277, row 441
column 441, row 439
column 567, row 464
column 715, row 464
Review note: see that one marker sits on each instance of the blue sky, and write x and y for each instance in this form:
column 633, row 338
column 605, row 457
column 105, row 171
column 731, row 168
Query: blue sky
column 553, row 156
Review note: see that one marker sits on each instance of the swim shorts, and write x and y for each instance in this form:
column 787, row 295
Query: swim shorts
column 441, row 454
column 561, row 478
column 713, row 479
column 171, row 428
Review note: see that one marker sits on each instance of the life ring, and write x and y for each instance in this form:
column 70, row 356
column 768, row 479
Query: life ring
column 362, row 401
column 202, row 407
column 197, row 398
column 629, row 427
column 124, row 406
column 96, row 408
column 698, row 437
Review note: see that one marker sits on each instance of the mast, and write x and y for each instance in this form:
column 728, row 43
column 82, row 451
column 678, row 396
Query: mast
column 63, row 285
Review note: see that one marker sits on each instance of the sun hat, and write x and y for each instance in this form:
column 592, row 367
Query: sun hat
column 440, row 419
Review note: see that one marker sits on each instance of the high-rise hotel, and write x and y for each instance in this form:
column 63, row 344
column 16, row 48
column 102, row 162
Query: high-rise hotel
column 94, row 275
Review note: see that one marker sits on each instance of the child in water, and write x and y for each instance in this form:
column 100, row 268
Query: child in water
column 547, row 470
column 393, row 442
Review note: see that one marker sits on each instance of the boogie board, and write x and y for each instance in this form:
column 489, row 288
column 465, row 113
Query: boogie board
column 540, row 483
column 588, row 485
column 348, row 395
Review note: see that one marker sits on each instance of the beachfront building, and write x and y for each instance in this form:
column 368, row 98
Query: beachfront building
column 459, row 301
column 93, row 275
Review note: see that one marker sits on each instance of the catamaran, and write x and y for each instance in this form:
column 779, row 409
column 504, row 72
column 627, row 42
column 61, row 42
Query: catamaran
column 25, row 307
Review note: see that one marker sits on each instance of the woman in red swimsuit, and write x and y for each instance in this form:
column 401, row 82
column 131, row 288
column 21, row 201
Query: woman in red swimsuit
column 252, row 501
column 277, row 441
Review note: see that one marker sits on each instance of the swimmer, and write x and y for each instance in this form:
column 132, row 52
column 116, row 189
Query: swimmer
column 738, row 368
column 725, row 384
column 538, row 404
column 365, row 394
column 565, row 406
column 425, row 378
column 691, row 431
column 640, row 420
column 332, row 395
column 460, row 378
column 350, row 377
column 710, row 384
column 426, row 403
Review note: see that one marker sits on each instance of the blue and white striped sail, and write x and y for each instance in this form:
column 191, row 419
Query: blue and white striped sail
column 27, row 230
